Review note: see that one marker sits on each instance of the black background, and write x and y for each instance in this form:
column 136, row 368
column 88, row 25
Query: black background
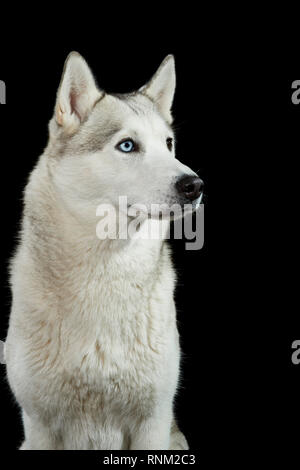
column 32, row 72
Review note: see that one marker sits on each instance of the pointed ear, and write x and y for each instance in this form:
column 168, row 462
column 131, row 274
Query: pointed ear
column 77, row 93
column 161, row 87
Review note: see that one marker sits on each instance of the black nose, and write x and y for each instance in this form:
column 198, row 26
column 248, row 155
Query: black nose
column 190, row 187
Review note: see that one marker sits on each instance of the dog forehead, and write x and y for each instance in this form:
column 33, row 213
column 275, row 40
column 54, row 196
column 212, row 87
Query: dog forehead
column 141, row 114
column 150, row 125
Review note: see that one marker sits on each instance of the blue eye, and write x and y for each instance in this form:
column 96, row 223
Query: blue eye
column 126, row 146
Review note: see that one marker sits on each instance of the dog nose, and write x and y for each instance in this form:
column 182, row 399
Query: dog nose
column 190, row 187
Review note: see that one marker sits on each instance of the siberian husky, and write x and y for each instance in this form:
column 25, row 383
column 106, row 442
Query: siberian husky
column 92, row 349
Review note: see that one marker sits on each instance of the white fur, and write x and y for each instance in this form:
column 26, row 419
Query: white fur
column 92, row 349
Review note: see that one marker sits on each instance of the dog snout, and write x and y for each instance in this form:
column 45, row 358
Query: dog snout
column 190, row 187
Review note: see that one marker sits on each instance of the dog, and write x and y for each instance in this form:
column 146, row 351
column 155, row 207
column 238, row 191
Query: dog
column 92, row 349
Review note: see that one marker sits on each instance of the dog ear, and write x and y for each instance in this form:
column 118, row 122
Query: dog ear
column 77, row 93
column 161, row 87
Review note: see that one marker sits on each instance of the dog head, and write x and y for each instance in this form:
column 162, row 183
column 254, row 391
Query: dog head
column 104, row 146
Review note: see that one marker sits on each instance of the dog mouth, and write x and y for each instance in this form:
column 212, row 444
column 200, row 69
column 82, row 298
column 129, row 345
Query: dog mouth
column 164, row 211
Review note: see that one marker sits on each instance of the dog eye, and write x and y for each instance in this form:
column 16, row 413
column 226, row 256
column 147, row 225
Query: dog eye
column 169, row 143
column 126, row 146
